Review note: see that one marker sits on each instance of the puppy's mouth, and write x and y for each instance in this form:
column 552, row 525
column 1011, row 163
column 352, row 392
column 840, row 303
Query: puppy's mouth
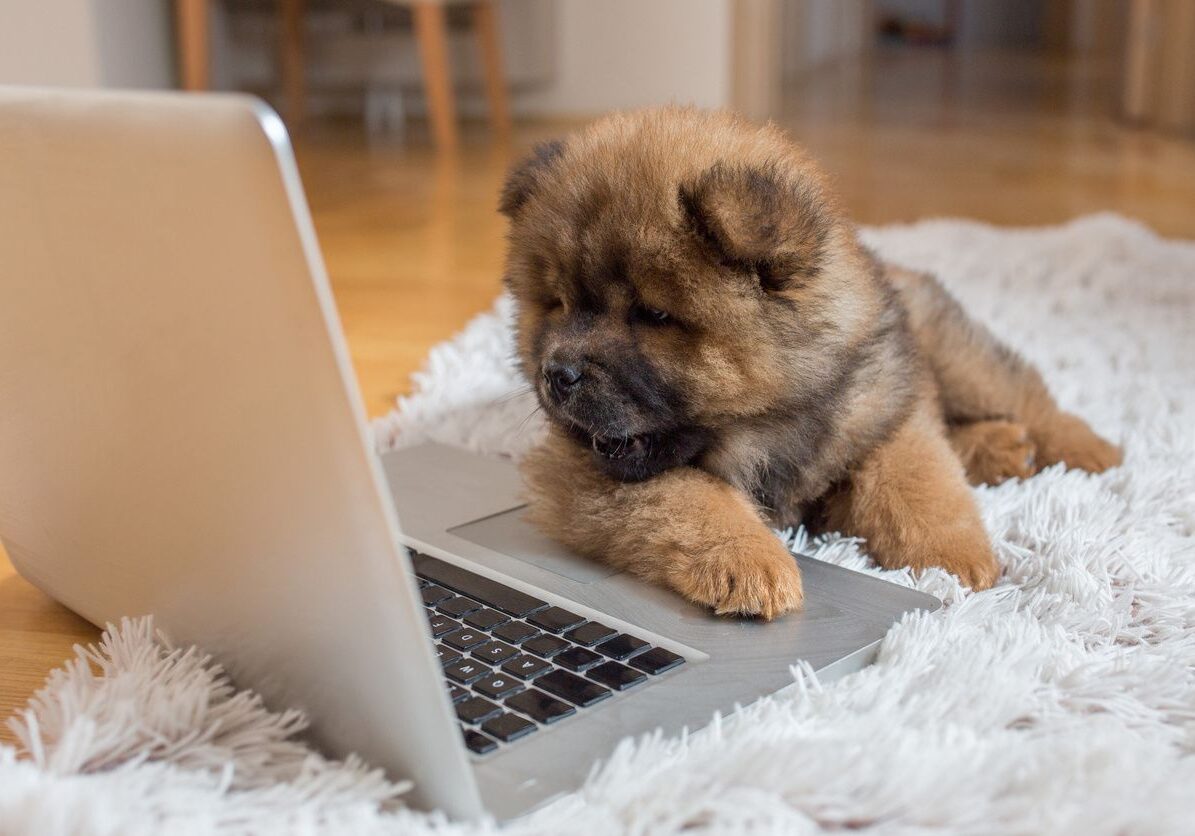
column 632, row 458
column 616, row 448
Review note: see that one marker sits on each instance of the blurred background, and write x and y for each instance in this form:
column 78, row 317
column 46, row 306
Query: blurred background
column 406, row 115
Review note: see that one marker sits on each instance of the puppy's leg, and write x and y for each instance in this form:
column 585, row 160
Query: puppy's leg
column 992, row 451
column 684, row 529
column 980, row 378
column 910, row 500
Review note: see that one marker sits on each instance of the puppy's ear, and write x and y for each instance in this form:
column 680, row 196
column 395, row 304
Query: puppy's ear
column 758, row 219
column 524, row 177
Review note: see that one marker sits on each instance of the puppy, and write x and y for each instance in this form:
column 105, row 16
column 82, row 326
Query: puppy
column 716, row 353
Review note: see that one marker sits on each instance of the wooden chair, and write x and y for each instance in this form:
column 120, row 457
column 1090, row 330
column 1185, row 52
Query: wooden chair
column 431, row 30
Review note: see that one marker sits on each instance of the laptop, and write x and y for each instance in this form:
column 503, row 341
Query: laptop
column 181, row 434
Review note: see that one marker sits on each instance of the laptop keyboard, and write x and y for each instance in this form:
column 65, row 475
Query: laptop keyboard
column 514, row 663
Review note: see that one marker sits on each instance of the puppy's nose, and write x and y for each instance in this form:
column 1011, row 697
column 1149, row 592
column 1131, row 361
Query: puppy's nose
column 562, row 378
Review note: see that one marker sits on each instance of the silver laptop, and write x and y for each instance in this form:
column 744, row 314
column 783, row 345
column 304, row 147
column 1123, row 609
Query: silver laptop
column 181, row 434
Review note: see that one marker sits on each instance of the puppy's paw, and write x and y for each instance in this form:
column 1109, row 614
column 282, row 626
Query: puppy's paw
column 1066, row 438
column 994, row 451
column 978, row 570
column 759, row 579
column 962, row 550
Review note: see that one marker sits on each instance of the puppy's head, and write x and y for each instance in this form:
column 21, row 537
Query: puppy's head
column 676, row 271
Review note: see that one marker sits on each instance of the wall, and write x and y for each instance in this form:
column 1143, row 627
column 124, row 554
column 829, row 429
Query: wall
column 565, row 57
column 627, row 53
column 86, row 43
column 343, row 57
column 817, row 33
column 38, row 46
column 134, row 42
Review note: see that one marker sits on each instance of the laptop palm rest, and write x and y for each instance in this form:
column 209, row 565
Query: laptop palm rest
column 508, row 533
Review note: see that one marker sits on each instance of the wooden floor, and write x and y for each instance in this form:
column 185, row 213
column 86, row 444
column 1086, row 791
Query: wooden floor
column 414, row 244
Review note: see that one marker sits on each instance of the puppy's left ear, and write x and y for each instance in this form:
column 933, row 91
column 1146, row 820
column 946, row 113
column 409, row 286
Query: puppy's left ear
column 758, row 219
column 524, row 177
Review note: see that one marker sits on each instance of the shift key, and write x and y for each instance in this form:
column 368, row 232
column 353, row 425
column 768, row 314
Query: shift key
column 576, row 690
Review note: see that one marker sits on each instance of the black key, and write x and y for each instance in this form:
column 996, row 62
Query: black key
column 616, row 676
column 441, row 624
column 497, row 595
column 508, row 727
column 478, row 742
column 495, row 652
column 499, row 685
column 465, row 671
column 465, row 639
column 525, row 667
column 578, row 659
column 456, row 692
column 539, row 706
column 458, row 606
column 434, row 594
column 446, row 654
column 622, row 647
column 545, row 646
column 573, row 688
column 515, row 632
column 555, row 619
column 657, row 660
column 589, row 634
column 476, row 709
column 486, row 619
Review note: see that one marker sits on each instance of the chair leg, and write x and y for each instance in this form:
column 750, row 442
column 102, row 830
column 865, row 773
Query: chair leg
column 290, row 53
column 489, row 41
column 431, row 29
column 191, row 20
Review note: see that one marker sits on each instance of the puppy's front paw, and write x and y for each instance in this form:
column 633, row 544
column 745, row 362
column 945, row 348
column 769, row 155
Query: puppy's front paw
column 978, row 571
column 1069, row 440
column 962, row 549
column 757, row 579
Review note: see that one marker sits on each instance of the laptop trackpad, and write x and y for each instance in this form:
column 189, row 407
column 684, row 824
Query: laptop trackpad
column 513, row 536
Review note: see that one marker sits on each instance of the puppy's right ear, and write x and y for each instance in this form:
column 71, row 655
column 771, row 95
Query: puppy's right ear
column 524, row 177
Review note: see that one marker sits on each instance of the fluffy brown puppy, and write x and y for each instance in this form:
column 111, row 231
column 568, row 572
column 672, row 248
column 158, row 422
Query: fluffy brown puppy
column 716, row 351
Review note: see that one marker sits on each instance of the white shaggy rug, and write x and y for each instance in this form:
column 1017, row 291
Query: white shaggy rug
column 1062, row 701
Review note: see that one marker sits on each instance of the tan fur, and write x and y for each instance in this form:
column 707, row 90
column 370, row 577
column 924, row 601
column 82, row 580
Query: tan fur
column 993, row 451
column 736, row 359
column 684, row 529
column 910, row 500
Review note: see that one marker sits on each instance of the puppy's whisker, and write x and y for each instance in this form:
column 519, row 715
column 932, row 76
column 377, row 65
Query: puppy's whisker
column 514, row 394
column 522, row 425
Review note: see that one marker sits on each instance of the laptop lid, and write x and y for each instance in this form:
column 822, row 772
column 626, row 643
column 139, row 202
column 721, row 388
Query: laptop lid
column 181, row 432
